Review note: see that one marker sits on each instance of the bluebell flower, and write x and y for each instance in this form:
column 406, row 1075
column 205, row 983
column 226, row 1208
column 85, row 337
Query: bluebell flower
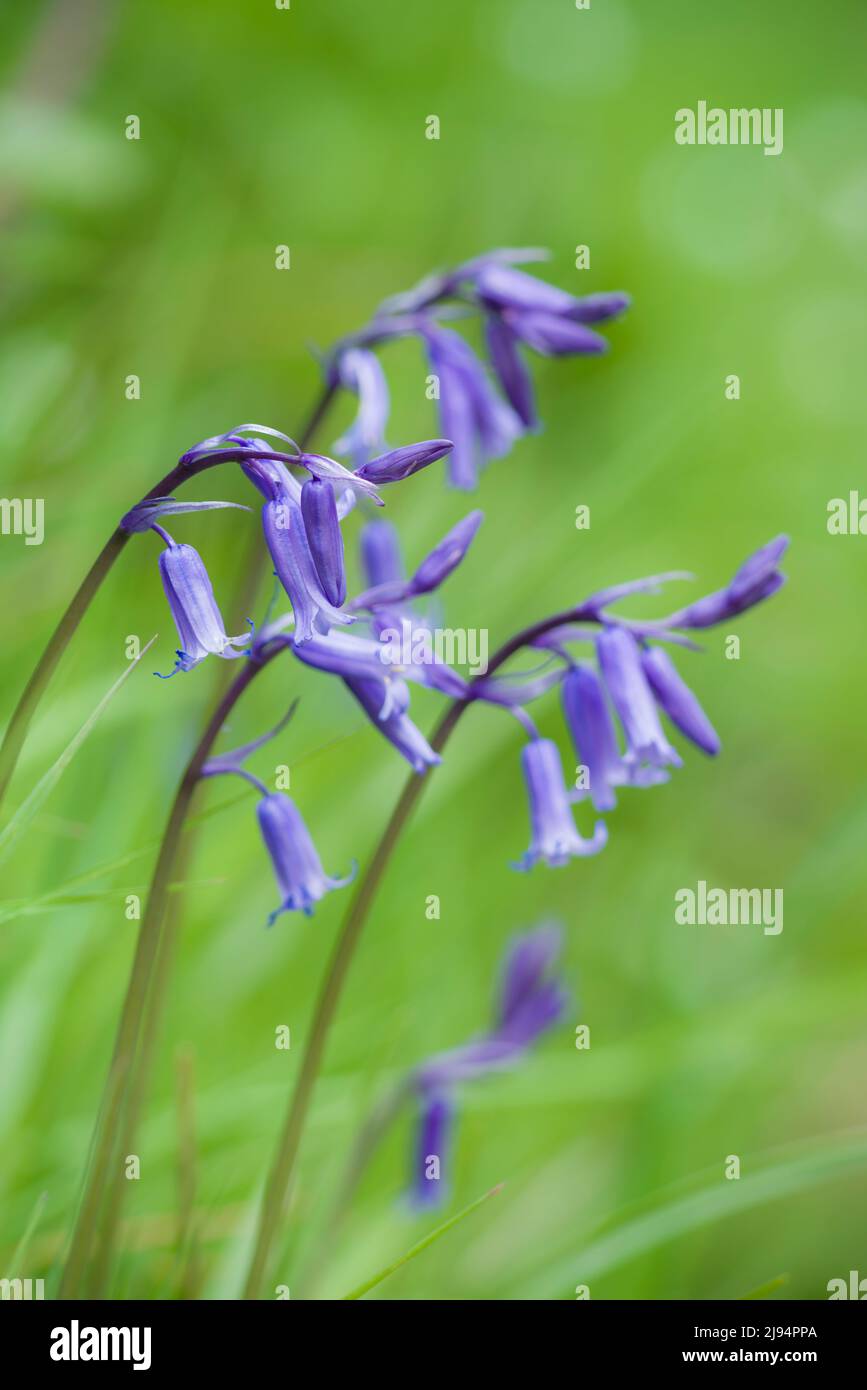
column 530, row 1001
column 589, row 721
column 201, row 630
column 518, row 311
column 555, row 840
column 480, row 424
column 287, row 541
column 620, row 662
column 297, row 867
column 757, row 579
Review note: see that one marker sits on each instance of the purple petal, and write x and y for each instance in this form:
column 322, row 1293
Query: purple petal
column 359, row 370
column 554, row 837
column 529, row 958
column 515, row 689
column 429, row 1188
column 401, row 463
column 286, row 538
column 445, row 557
column 593, row 734
column 233, row 761
column 620, row 662
column 555, row 336
column 758, row 569
column 595, row 308
column 321, row 522
column 145, row 513
column 320, row 466
column 380, row 553
column 362, row 658
column 297, row 868
column 374, row 696
column 511, row 370
column 190, row 595
column 678, row 701
column 514, row 289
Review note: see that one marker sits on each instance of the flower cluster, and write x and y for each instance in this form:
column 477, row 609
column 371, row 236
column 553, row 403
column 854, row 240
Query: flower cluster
column 483, row 407
column 612, row 706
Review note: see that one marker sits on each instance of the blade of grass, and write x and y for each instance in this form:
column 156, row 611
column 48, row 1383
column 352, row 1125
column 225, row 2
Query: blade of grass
column 46, row 784
column 686, row 1213
column 23, row 1246
column 764, row 1289
column 422, row 1244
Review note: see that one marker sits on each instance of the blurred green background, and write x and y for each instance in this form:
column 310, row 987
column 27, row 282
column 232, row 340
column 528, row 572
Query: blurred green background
column 156, row 257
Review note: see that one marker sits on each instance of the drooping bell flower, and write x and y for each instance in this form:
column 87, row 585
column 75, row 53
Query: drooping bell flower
column 594, row 736
column 480, row 424
column 286, row 538
column 297, row 867
column 555, row 840
column 301, row 879
column 620, row 662
column 201, row 630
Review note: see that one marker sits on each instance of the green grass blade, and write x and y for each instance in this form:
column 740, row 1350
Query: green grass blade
column 22, row 1248
column 46, row 784
column 764, row 1289
column 422, row 1245
column 669, row 1219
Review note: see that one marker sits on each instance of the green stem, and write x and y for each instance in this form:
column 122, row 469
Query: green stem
column 104, row 1147
column 124, row 1093
column 139, row 1078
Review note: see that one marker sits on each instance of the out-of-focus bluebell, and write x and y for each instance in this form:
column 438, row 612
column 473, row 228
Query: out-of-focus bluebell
column 530, row 1000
